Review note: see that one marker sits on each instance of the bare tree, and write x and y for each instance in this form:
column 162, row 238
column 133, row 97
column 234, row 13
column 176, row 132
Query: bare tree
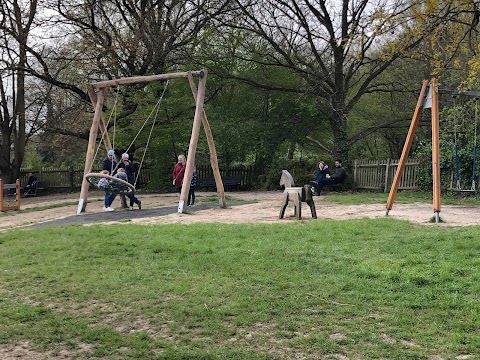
column 92, row 40
column 338, row 48
column 16, row 25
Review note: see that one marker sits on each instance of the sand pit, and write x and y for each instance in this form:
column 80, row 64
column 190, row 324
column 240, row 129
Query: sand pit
column 260, row 207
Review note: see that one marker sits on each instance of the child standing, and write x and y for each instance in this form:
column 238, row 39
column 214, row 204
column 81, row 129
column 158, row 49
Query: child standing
column 109, row 196
column 193, row 185
column 128, row 170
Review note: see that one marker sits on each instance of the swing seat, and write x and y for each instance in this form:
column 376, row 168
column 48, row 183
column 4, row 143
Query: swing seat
column 463, row 190
column 111, row 184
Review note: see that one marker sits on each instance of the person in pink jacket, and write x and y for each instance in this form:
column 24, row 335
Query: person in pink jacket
column 179, row 172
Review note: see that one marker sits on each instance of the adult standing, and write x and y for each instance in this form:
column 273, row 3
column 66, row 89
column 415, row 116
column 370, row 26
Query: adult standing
column 179, row 172
column 130, row 170
column 110, row 165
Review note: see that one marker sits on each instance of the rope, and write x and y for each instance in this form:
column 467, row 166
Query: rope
column 106, row 126
column 474, row 164
column 115, row 118
column 457, row 162
column 157, row 107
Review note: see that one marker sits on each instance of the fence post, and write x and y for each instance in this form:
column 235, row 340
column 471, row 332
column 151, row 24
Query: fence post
column 387, row 177
column 71, row 178
column 354, row 172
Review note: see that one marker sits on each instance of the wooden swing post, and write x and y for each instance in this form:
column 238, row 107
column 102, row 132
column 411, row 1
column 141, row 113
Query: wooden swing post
column 92, row 140
column 406, row 148
column 435, row 150
column 211, row 146
column 96, row 92
column 101, row 124
column 422, row 102
column 192, row 149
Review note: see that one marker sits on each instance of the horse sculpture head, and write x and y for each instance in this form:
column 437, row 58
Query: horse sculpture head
column 286, row 179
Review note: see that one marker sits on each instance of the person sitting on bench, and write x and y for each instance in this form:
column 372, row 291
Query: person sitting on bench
column 322, row 171
column 337, row 177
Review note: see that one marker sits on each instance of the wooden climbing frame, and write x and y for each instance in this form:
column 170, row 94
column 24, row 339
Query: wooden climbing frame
column 5, row 203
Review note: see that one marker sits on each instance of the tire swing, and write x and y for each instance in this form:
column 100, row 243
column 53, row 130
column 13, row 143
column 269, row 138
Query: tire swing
column 112, row 183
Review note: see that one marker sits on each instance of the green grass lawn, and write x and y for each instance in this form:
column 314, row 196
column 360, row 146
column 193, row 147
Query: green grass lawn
column 361, row 289
column 402, row 197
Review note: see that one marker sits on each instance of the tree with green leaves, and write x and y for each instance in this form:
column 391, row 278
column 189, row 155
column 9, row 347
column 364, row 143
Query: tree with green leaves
column 338, row 48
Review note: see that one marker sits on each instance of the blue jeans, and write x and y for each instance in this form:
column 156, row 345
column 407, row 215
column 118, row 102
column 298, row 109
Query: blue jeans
column 109, row 197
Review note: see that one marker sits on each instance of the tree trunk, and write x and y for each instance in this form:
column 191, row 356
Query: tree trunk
column 291, row 151
column 19, row 117
column 338, row 123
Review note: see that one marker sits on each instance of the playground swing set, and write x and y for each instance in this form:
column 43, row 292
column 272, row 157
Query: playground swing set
column 97, row 94
column 115, row 184
column 428, row 98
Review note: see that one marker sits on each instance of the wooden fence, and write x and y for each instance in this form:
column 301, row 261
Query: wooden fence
column 379, row 174
column 70, row 179
column 367, row 174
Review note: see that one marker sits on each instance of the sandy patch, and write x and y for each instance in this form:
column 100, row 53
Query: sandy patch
column 264, row 208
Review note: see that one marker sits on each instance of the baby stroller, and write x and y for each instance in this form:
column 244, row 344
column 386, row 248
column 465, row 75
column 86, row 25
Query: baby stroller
column 31, row 190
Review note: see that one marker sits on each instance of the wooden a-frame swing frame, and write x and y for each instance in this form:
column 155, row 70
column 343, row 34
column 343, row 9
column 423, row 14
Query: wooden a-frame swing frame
column 96, row 92
column 425, row 100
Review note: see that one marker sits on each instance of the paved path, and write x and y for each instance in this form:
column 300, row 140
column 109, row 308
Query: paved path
column 117, row 215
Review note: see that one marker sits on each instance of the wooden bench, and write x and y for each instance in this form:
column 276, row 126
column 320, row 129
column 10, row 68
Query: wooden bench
column 228, row 182
column 335, row 187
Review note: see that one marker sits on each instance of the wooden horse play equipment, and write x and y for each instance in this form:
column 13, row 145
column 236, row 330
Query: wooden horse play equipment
column 297, row 195
column 96, row 92
column 5, row 203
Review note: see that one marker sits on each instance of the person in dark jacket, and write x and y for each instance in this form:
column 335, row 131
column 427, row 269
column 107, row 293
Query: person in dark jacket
column 193, row 185
column 130, row 170
column 337, row 177
column 322, row 171
column 109, row 163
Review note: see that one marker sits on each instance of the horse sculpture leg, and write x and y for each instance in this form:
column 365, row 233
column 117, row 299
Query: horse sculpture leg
column 298, row 205
column 309, row 200
column 284, row 205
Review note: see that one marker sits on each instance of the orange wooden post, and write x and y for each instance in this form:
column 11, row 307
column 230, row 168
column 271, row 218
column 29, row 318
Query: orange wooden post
column 406, row 148
column 435, row 150
column 17, row 193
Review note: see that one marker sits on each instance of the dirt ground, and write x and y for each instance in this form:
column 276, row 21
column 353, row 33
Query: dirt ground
column 263, row 207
